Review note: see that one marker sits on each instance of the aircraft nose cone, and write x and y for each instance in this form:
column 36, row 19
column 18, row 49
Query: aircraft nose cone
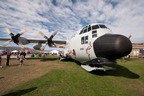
column 112, row 46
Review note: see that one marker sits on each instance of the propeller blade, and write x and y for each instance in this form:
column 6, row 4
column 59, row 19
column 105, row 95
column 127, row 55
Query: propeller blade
column 43, row 47
column 6, row 29
column 40, row 33
column 130, row 36
column 22, row 31
column 54, row 33
column 21, row 45
column 6, row 43
column 54, row 45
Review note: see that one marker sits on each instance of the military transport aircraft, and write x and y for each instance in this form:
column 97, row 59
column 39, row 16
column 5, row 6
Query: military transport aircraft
column 94, row 46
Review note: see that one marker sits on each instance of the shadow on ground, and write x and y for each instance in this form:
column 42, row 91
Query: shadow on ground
column 44, row 59
column 48, row 59
column 119, row 71
column 1, row 77
column 21, row 92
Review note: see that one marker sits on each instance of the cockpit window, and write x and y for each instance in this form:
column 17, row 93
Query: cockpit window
column 85, row 29
column 81, row 31
column 95, row 27
column 98, row 26
column 102, row 26
column 89, row 28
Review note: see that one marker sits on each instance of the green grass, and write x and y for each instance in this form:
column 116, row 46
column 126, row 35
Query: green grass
column 126, row 80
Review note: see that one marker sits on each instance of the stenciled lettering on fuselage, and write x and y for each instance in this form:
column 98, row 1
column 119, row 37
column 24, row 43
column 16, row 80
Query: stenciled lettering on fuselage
column 81, row 48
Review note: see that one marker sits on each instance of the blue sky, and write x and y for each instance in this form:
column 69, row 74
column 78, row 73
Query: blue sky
column 121, row 16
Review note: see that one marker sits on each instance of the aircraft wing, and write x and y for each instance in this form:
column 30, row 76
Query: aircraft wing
column 43, row 41
column 36, row 40
column 4, row 39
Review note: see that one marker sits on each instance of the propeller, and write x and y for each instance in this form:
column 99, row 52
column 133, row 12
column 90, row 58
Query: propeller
column 48, row 40
column 14, row 38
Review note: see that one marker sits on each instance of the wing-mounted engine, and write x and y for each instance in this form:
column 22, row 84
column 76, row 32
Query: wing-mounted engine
column 14, row 38
column 49, row 40
column 37, row 46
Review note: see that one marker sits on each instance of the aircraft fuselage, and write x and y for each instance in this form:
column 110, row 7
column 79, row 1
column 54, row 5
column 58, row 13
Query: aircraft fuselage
column 97, row 41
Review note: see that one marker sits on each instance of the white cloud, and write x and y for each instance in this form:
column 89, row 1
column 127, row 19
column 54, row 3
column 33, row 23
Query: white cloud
column 123, row 17
column 129, row 17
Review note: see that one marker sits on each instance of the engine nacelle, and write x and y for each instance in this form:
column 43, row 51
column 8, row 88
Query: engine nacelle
column 37, row 46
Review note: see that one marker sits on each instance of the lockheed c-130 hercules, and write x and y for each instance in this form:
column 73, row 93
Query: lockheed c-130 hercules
column 94, row 46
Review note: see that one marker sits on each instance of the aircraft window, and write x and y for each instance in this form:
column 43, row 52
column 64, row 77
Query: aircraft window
column 86, row 39
column 102, row 26
column 81, row 31
column 94, row 34
column 82, row 40
column 95, row 27
column 85, row 30
column 89, row 28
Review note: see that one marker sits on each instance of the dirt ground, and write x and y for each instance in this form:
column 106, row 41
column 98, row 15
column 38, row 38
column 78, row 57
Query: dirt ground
column 14, row 75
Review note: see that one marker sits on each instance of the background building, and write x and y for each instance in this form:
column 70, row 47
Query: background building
column 137, row 50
